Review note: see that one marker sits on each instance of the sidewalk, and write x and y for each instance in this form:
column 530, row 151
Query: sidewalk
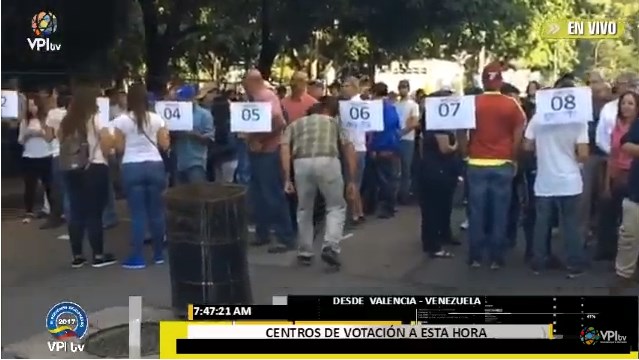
column 382, row 257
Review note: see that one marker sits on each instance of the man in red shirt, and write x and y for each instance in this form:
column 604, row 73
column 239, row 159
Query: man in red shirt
column 267, row 192
column 297, row 104
column 492, row 151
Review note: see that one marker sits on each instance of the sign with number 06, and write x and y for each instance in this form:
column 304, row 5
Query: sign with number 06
column 364, row 115
column 178, row 115
column 564, row 105
column 251, row 117
column 450, row 112
column 9, row 104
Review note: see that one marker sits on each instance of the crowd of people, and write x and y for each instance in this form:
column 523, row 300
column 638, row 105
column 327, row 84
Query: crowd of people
column 582, row 178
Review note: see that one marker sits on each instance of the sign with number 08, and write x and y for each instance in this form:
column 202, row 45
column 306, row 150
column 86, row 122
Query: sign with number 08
column 564, row 105
column 364, row 115
column 251, row 117
column 9, row 104
column 450, row 112
column 178, row 115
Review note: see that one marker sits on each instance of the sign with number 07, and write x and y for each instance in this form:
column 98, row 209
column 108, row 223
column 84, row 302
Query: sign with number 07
column 450, row 112
column 178, row 115
column 9, row 104
column 564, row 105
column 251, row 117
column 364, row 115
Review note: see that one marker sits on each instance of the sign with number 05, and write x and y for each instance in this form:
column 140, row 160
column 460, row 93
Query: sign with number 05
column 564, row 105
column 250, row 117
column 364, row 115
column 450, row 112
column 9, row 104
column 178, row 115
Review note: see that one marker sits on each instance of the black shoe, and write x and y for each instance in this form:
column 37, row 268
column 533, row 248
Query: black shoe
column 385, row 215
column 330, row 257
column 78, row 262
column 305, row 260
column 258, row 242
column 52, row 223
column 278, row 248
column 104, row 260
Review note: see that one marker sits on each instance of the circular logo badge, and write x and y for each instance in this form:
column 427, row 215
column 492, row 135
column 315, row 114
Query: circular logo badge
column 67, row 320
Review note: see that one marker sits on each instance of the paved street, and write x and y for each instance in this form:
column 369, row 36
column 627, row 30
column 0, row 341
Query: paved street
column 382, row 256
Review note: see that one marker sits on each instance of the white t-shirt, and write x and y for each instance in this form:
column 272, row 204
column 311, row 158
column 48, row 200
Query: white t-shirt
column 95, row 151
column 607, row 121
column 54, row 118
column 137, row 146
column 405, row 109
column 558, row 171
column 357, row 137
column 35, row 146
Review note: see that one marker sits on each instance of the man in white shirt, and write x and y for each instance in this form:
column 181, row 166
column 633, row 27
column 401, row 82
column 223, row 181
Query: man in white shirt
column 560, row 148
column 408, row 111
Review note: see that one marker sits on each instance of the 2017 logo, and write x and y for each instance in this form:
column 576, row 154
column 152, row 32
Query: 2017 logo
column 43, row 25
column 67, row 322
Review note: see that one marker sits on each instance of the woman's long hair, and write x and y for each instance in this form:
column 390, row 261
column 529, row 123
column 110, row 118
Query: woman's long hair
column 635, row 96
column 83, row 106
column 42, row 104
column 137, row 104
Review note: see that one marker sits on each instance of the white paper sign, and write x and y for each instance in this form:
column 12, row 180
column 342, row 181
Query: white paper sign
column 9, row 104
column 103, row 112
column 251, row 117
column 450, row 112
column 363, row 115
column 564, row 105
column 178, row 115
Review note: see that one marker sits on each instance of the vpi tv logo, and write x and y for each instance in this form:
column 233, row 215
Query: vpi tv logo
column 612, row 336
column 67, row 323
column 43, row 25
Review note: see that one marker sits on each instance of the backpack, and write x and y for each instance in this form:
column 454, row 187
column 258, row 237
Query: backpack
column 74, row 152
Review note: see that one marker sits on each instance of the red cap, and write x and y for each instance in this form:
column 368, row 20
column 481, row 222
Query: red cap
column 491, row 76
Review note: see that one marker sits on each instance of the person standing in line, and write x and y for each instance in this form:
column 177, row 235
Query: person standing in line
column 312, row 143
column 357, row 137
column 560, row 149
column 36, row 155
column 385, row 147
column 83, row 143
column 409, row 121
column 225, row 143
column 265, row 187
column 316, row 89
column 191, row 147
column 492, row 149
column 139, row 136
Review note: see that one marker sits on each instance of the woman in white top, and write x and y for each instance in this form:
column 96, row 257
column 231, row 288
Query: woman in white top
column 140, row 135
column 36, row 155
column 86, row 178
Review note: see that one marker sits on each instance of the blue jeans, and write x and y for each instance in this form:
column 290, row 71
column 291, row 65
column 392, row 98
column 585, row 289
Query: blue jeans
column 243, row 170
column 568, row 207
column 489, row 193
column 144, row 183
column 192, row 175
column 386, row 180
column 109, row 216
column 406, row 152
column 59, row 187
column 269, row 204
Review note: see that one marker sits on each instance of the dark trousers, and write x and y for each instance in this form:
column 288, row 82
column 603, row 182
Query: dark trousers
column 610, row 211
column 369, row 185
column 88, row 193
column 436, row 191
column 34, row 170
column 530, row 216
column 387, row 181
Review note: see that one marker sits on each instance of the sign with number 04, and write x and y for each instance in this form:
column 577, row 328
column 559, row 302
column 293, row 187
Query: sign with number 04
column 564, row 105
column 364, row 115
column 450, row 112
column 251, row 117
column 9, row 104
column 178, row 115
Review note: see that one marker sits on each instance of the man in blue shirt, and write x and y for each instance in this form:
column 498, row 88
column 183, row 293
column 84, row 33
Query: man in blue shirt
column 191, row 147
column 385, row 147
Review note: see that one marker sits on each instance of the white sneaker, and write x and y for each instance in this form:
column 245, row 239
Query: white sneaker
column 64, row 237
column 464, row 225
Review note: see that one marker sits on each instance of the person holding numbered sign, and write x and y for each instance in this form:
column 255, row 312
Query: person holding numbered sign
column 269, row 203
column 409, row 120
column 140, row 135
column 385, row 147
column 561, row 146
column 191, row 146
column 492, row 150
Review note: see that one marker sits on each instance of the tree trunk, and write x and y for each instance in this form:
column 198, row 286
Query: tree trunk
column 157, row 54
column 270, row 47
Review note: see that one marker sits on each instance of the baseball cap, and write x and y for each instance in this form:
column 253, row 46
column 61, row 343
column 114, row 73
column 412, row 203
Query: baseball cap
column 186, row 93
column 491, row 76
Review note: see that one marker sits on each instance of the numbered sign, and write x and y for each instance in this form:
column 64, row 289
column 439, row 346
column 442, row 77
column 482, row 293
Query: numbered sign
column 364, row 115
column 178, row 115
column 564, row 105
column 9, row 104
column 450, row 112
column 251, row 117
column 103, row 112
